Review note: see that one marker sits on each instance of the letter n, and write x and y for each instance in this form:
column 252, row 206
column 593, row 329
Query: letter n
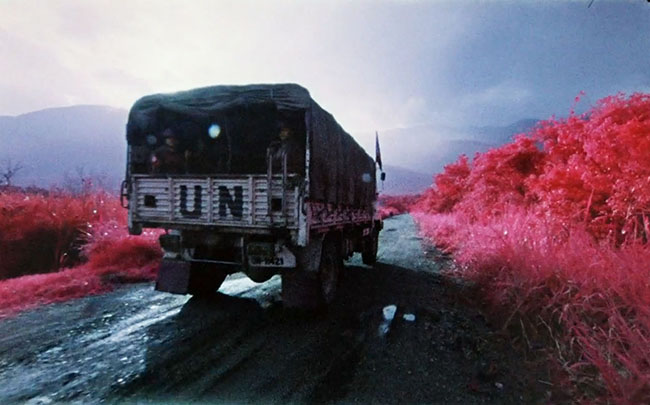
column 225, row 198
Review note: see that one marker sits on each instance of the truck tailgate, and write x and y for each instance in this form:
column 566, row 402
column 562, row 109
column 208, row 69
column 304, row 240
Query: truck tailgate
column 214, row 201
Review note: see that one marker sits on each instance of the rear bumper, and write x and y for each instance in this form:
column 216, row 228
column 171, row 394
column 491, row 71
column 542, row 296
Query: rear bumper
column 241, row 230
column 235, row 251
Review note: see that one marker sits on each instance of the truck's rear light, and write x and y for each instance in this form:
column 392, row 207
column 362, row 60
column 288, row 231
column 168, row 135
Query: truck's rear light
column 170, row 243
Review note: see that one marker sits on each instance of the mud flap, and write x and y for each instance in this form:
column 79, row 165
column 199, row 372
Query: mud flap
column 301, row 287
column 173, row 277
column 308, row 258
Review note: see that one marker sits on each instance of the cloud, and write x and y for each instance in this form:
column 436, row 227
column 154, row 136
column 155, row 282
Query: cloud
column 379, row 64
column 503, row 94
column 361, row 61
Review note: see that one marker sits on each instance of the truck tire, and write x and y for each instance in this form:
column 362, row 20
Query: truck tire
column 260, row 274
column 331, row 265
column 205, row 279
column 369, row 252
column 314, row 289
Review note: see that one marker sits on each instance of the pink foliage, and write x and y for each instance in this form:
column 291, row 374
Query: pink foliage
column 390, row 205
column 41, row 232
column 450, row 187
column 553, row 229
column 87, row 232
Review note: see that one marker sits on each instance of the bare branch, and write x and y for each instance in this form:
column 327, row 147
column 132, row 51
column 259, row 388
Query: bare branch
column 9, row 169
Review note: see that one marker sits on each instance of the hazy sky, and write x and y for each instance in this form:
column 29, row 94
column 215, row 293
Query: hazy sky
column 373, row 64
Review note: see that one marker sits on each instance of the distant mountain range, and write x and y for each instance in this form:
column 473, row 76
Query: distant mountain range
column 428, row 148
column 404, row 181
column 501, row 135
column 58, row 145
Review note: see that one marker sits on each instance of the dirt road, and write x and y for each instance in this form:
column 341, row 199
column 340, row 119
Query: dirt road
column 138, row 345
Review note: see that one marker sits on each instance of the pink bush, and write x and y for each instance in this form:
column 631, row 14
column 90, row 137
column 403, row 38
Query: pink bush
column 390, row 205
column 42, row 232
column 553, row 228
column 90, row 227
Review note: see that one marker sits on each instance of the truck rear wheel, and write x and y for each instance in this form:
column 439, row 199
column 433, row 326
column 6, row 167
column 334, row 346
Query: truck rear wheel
column 313, row 289
column 330, row 269
column 370, row 247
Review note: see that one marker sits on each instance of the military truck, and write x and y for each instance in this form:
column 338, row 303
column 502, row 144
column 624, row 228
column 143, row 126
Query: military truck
column 258, row 179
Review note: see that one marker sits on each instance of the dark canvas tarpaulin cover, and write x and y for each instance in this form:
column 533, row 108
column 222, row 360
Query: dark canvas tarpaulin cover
column 340, row 171
column 207, row 101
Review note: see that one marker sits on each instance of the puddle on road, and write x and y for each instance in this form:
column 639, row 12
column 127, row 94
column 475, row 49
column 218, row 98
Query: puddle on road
column 235, row 285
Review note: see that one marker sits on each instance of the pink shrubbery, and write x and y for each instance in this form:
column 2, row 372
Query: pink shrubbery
column 79, row 241
column 389, row 205
column 553, row 228
column 41, row 232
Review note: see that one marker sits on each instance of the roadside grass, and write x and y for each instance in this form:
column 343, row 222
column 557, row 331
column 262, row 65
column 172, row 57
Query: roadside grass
column 553, row 229
column 587, row 303
column 55, row 246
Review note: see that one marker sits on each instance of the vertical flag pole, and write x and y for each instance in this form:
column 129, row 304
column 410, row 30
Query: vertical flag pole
column 378, row 160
